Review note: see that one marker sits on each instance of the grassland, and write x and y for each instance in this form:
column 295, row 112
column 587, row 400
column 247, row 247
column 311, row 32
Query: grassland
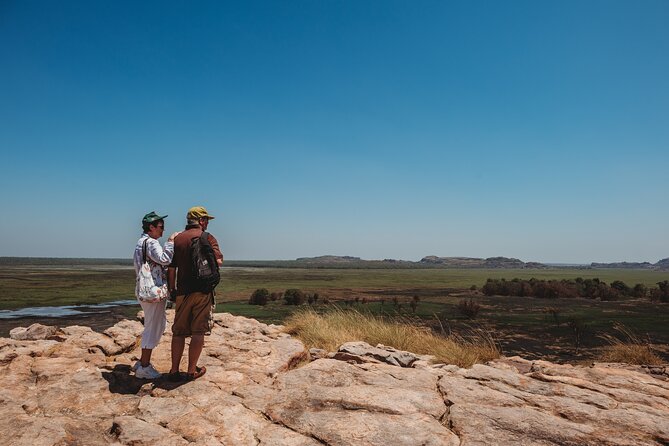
column 35, row 286
column 239, row 282
column 331, row 329
column 59, row 284
column 521, row 325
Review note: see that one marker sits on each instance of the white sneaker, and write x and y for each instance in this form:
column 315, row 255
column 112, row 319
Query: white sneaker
column 147, row 372
column 136, row 365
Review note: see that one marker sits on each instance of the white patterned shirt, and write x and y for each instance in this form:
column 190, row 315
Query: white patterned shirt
column 157, row 256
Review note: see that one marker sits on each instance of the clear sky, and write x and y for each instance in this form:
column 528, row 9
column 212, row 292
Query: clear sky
column 379, row 129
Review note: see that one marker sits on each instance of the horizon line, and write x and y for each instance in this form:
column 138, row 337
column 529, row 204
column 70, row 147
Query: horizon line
column 315, row 257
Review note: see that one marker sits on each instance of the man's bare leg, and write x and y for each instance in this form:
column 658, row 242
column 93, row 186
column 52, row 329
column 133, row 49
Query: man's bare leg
column 194, row 351
column 178, row 344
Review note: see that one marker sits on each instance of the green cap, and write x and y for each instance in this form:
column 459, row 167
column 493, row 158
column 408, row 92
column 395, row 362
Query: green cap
column 151, row 217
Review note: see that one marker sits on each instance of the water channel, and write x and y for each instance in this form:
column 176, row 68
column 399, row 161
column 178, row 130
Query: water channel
column 65, row 310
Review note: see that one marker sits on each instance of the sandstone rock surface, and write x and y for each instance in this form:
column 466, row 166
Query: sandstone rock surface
column 33, row 333
column 74, row 386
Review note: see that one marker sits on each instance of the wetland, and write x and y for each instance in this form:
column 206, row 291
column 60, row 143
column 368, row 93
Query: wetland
column 558, row 329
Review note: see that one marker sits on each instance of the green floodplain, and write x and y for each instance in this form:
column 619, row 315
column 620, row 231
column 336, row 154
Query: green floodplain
column 529, row 326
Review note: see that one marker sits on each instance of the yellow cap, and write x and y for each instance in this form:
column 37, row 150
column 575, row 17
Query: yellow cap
column 197, row 212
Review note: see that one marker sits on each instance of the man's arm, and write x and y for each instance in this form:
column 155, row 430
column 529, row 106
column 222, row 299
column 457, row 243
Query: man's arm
column 171, row 278
column 217, row 250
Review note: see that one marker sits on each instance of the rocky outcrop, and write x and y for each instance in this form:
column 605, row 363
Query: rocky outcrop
column 75, row 386
column 475, row 262
column 661, row 265
column 328, row 259
column 623, row 265
column 33, row 333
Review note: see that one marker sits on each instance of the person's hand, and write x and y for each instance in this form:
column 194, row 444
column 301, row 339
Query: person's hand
column 173, row 236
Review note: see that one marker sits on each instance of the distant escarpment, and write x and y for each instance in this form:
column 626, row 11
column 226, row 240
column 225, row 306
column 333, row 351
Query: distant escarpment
column 662, row 265
column 429, row 262
column 474, row 262
column 329, row 259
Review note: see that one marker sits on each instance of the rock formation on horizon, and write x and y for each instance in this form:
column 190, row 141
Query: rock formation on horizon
column 661, row 265
column 328, row 259
column 432, row 261
column 475, row 262
column 73, row 386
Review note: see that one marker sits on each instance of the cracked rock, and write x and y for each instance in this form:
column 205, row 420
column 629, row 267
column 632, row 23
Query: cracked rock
column 260, row 389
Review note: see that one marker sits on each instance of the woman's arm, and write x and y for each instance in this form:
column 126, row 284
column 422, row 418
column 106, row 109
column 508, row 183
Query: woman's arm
column 158, row 254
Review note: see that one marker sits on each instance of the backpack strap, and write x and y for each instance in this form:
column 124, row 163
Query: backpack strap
column 144, row 250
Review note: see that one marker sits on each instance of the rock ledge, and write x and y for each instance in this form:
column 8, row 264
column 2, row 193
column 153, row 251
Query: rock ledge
column 74, row 386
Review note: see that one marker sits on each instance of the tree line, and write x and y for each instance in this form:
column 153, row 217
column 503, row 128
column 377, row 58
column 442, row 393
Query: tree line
column 579, row 287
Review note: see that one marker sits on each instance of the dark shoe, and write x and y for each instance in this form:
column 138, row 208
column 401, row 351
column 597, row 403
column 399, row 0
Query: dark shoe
column 199, row 371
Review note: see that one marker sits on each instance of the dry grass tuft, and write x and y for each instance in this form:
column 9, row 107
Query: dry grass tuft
column 631, row 349
column 328, row 331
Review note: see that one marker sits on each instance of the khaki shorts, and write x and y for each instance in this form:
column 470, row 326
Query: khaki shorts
column 194, row 314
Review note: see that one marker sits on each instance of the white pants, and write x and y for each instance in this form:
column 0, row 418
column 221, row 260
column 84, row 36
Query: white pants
column 155, row 321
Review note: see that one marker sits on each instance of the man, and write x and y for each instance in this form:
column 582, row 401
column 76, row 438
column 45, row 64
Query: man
column 193, row 307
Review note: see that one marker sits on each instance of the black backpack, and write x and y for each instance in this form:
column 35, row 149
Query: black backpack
column 205, row 266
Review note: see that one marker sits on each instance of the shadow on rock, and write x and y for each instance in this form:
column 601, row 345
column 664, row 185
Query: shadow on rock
column 122, row 381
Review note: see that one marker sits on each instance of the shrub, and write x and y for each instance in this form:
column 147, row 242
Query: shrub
column 328, row 331
column 259, row 297
column 608, row 293
column 490, row 288
column 469, row 308
column 621, row 287
column 293, row 296
column 554, row 312
column 663, row 294
column 275, row 296
column 640, row 290
column 578, row 328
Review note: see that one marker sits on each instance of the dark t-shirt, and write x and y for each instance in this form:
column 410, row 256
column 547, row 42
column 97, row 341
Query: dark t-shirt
column 182, row 259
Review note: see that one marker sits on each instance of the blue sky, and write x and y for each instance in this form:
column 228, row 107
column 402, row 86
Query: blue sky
column 379, row 129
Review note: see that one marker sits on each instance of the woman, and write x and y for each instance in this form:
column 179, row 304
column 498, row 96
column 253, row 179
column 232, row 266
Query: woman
column 158, row 258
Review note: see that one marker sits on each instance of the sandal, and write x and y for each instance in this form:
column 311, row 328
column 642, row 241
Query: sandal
column 199, row 371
